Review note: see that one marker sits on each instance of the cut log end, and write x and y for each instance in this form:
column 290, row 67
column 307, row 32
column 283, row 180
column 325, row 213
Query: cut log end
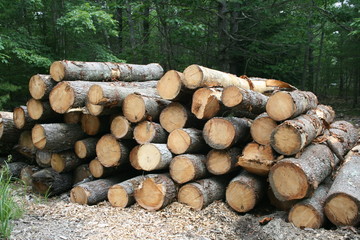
column 57, row 71
column 150, row 195
column 280, row 113
column 205, row 105
column 95, row 94
column 37, row 87
column 305, row 216
column 144, row 132
column 19, row 117
column 94, row 109
column 120, row 127
column 286, row 140
column 342, row 210
column 240, row 197
column 118, row 197
column 149, row 157
column 178, row 141
column 108, row 150
column 167, row 119
column 134, row 108
column 62, row 97
column 220, row 132
column 38, row 136
column 169, row 85
column 218, row 162
column 231, row 96
column 35, row 108
column 96, row 168
column 57, row 162
column 90, row 124
column 261, row 130
column 72, row 117
column 193, row 76
column 79, row 195
column 133, row 157
column 182, row 169
column 190, row 195
column 80, row 149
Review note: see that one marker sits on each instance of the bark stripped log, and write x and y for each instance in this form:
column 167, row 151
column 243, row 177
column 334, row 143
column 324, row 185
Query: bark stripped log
column 257, row 159
column 261, row 129
column 21, row 118
column 171, row 87
column 221, row 133
column 201, row 193
column 99, row 171
column 111, row 152
column 153, row 156
column 48, row 182
column 187, row 167
column 285, row 105
column 206, row 102
column 65, row 161
column 342, row 205
column 219, row 162
column 86, row 148
column 186, row 140
column 245, row 191
column 40, row 86
column 82, row 173
column 42, row 111
column 155, row 192
column 122, row 194
column 104, row 71
column 146, row 132
column 43, row 158
column 121, row 128
column 56, row 136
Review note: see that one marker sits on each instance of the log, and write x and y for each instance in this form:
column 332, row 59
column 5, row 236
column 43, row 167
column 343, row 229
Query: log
column 219, row 162
column 133, row 157
column 244, row 100
column 267, row 86
column 43, row 158
column 257, row 159
column 9, row 134
column 122, row 194
column 121, row 128
column 286, row 105
column 65, row 161
column 155, row 192
column 48, row 182
column 56, row 136
column 146, row 132
column 293, row 135
column 222, row 133
column 137, row 108
column 188, row 167
column 82, row 173
column 261, row 129
column 325, row 113
column 171, row 87
column 245, row 191
column 67, row 95
column 22, row 119
column 297, row 178
column 281, row 205
column 343, row 199
column 104, row 71
column 72, row 117
column 206, row 103
column 309, row 213
column 40, row 86
column 42, row 111
column 186, row 140
column 86, row 148
column 153, row 156
column 99, row 171
column 114, row 93
column 93, row 125
column 25, row 146
column 201, row 193
column 111, row 152
column 26, row 174
column 176, row 115
column 13, row 168
column 92, row 192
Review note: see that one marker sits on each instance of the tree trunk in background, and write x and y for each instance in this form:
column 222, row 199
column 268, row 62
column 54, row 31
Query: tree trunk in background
column 146, row 32
column 119, row 17
column 222, row 39
column 131, row 24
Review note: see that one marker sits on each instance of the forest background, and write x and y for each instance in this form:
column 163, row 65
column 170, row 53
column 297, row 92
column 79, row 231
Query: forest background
column 312, row 44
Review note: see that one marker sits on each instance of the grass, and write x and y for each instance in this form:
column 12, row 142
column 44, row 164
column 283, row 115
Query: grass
column 9, row 209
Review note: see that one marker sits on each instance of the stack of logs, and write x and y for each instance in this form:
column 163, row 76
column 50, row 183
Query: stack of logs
column 130, row 133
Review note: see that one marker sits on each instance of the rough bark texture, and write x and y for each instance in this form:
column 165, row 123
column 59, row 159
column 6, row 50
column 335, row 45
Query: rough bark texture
column 48, row 182
column 9, row 134
column 40, row 86
column 286, row 105
column 244, row 100
column 146, row 132
column 188, row 167
column 186, row 140
column 122, row 194
column 297, row 178
column 324, row 112
column 21, row 118
column 221, row 133
column 206, row 103
column 56, row 136
column 65, row 161
column 43, row 158
column 86, row 148
column 104, row 71
column 82, row 173
column 121, row 128
column 261, row 129
column 342, row 206
column 245, row 191
column 171, row 87
column 112, row 152
column 42, row 111
column 219, row 162
column 153, row 156
column 14, row 168
column 201, row 193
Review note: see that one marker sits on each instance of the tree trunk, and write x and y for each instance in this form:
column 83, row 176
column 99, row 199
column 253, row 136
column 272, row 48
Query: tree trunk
column 82, row 173
column 297, row 178
column 99, row 171
column 239, row 99
column 286, row 105
column 86, row 148
column 257, row 159
column 43, row 158
column 42, row 111
column 171, row 87
column 188, row 167
column 261, row 129
column 186, row 140
column 221, row 133
column 40, row 86
column 137, row 108
column 245, row 191
column 201, row 193
column 206, row 103
column 26, row 174
column 48, row 182
column 104, row 71
column 112, row 152
column 65, row 161
column 343, row 200
column 155, row 192
column 219, row 162
column 56, row 136
column 175, row 116
column 121, row 128
column 21, row 118
column 72, row 117
column 150, row 132
column 153, row 156
column 93, row 125
column 122, row 194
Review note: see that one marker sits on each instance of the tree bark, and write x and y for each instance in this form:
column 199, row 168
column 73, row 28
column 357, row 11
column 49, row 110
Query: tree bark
column 40, row 86
column 219, row 162
column 153, row 156
column 42, row 111
column 86, row 148
column 48, row 182
column 150, row 132
column 14, row 168
column 121, row 128
column 104, row 71
column 206, row 103
column 65, row 161
column 171, row 87
column 9, row 134
column 188, row 167
column 186, row 140
column 261, row 129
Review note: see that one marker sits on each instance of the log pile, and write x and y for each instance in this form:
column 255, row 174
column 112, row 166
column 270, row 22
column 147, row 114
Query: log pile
column 130, row 133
